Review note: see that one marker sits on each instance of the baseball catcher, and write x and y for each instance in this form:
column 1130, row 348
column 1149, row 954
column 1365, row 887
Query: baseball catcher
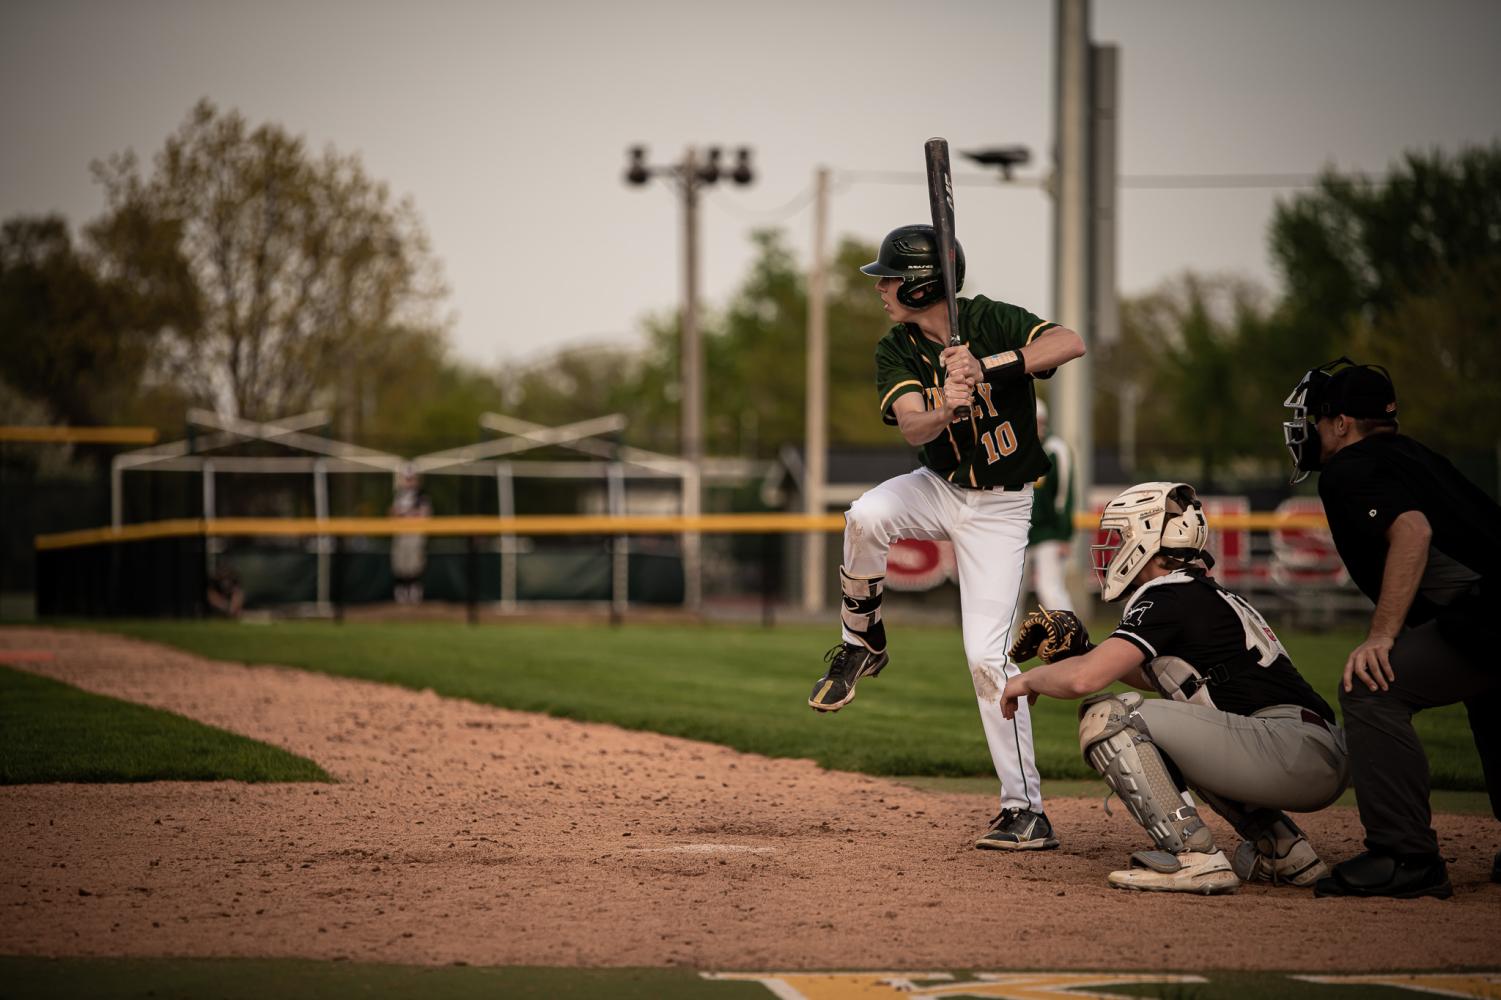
column 1236, row 723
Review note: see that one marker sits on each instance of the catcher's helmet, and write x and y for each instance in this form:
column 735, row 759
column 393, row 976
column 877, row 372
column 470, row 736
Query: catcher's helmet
column 911, row 253
column 1147, row 520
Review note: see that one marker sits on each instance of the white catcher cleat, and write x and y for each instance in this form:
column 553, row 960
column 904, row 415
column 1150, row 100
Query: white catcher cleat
column 1191, row 871
column 1300, row 866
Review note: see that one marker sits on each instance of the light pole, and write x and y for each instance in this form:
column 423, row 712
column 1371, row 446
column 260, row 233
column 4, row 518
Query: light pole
column 687, row 176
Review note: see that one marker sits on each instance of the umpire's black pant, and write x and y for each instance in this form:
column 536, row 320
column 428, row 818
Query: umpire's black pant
column 1387, row 761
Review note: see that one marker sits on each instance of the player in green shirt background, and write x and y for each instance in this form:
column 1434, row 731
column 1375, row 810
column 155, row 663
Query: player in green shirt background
column 973, row 487
column 1052, row 521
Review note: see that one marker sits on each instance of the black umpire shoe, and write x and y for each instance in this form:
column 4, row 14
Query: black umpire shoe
column 1018, row 829
column 1371, row 874
column 847, row 664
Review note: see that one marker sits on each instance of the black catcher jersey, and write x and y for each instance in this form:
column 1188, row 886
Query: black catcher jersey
column 1187, row 615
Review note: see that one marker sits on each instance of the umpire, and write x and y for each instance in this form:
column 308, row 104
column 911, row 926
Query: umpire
column 1423, row 543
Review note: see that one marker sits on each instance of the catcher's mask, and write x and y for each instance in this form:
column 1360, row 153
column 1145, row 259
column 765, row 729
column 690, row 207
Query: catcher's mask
column 911, row 253
column 1360, row 391
column 1146, row 520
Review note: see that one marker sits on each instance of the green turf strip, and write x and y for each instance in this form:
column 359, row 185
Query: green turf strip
column 294, row 979
column 741, row 686
column 1442, row 800
column 51, row 731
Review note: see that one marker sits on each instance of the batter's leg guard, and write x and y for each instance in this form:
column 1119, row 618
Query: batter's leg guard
column 862, row 648
column 1118, row 745
column 861, row 611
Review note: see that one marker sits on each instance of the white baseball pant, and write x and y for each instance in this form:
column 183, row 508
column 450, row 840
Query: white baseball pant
column 988, row 529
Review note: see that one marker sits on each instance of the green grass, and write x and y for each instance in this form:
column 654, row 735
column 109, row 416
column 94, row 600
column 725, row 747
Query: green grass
column 1443, row 800
column 294, row 979
column 741, row 686
column 55, row 732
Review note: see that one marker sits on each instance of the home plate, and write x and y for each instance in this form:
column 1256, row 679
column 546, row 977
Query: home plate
column 26, row 656
column 705, row 849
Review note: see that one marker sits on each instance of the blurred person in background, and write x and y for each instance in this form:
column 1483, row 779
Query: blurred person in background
column 1423, row 543
column 225, row 595
column 1052, row 521
column 409, row 552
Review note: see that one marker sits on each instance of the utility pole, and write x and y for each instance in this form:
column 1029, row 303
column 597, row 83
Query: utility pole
column 816, row 446
column 688, row 176
column 1071, row 226
column 692, row 400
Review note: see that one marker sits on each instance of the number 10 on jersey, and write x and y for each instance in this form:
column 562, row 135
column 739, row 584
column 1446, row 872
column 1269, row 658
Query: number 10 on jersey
column 998, row 442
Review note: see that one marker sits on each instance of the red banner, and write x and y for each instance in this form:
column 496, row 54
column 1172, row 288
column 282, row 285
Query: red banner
column 918, row 564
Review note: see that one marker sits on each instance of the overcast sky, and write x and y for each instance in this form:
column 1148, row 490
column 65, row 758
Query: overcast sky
column 507, row 123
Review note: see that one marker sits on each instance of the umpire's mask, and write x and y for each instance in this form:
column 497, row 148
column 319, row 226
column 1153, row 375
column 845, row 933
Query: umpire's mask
column 1360, row 391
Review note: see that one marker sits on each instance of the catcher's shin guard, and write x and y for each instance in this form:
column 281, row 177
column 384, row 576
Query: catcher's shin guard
column 861, row 611
column 1117, row 744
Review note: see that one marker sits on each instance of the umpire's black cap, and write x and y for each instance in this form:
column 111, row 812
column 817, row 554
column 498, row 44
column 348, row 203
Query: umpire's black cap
column 1360, row 391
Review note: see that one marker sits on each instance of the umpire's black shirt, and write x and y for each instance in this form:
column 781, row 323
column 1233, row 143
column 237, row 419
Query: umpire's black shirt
column 1369, row 484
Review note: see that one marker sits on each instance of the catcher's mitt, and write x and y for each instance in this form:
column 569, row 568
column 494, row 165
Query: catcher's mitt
column 1050, row 635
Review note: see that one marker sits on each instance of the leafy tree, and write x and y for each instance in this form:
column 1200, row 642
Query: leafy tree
column 1183, row 363
column 757, row 356
column 756, row 360
column 78, row 341
column 1403, row 271
column 416, row 398
column 577, row 383
column 1443, row 348
column 302, row 266
column 856, row 323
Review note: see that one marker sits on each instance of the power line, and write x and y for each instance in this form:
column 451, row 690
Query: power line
column 844, row 179
column 791, row 207
column 1190, row 181
column 1139, row 181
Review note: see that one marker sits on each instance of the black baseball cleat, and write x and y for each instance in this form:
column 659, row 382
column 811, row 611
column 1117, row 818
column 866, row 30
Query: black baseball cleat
column 1371, row 874
column 847, row 664
column 1018, row 829
column 1496, row 867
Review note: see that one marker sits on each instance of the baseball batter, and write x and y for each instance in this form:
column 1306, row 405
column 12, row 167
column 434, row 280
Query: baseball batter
column 974, row 488
column 1236, row 722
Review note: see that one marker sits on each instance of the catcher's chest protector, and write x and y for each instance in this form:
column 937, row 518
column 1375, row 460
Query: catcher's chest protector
column 1178, row 680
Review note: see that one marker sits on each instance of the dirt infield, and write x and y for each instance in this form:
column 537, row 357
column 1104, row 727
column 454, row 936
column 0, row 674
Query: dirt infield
column 463, row 833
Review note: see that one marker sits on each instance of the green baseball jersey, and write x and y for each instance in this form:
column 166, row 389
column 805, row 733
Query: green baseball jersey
column 997, row 445
column 1053, row 497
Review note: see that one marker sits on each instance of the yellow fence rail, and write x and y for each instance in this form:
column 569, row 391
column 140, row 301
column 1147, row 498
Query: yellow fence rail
column 552, row 524
column 80, row 435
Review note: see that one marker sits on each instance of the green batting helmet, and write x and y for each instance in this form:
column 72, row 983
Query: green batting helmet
column 911, row 253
